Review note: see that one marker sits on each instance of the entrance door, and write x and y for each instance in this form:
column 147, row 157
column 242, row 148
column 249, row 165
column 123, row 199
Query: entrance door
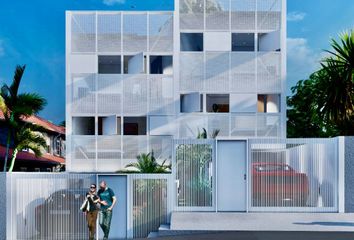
column 231, row 175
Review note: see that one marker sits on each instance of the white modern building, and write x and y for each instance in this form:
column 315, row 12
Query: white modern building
column 137, row 80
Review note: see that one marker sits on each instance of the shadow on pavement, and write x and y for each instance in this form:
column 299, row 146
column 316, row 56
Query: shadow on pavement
column 266, row 236
column 335, row 224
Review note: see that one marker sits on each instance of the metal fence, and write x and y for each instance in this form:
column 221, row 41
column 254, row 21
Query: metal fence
column 193, row 172
column 293, row 175
column 47, row 206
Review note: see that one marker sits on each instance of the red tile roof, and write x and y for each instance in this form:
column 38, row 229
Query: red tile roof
column 41, row 122
column 31, row 157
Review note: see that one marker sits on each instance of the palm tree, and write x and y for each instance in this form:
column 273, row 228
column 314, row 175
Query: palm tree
column 338, row 83
column 146, row 163
column 204, row 134
column 16, row 107
column 27, row 136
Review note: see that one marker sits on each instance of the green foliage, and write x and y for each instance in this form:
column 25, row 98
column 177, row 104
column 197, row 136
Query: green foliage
column 16, row 107
column 147, row 163
column 322, row 106
column 204, row 134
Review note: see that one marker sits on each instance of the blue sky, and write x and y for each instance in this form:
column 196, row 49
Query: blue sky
column 33, row 33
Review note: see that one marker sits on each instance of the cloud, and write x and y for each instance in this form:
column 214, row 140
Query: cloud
column 113, row 2
column 296, row 16
column 302, row 60
column 2, row 49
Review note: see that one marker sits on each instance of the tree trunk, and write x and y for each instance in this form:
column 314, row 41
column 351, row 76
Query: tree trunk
column 14, row 154
column 7, row 148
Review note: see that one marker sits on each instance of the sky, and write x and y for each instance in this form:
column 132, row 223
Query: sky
column 33, row 33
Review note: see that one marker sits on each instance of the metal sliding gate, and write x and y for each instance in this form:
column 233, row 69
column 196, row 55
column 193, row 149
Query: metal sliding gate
column 293, row 175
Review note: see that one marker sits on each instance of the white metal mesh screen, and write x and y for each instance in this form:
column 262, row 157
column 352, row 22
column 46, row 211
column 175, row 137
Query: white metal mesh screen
column 269, row 72
column 243, row 15
column 220, row 122
column 83, row 156
column 83, row 92
column 268, row 15
column 135, row 32
column 161, row 32
column 83, row 32
column 294, row 175
column 161, row 94
column 109, row 32
column 135, row 94
column 191, row 71
column 243, row 125
column 109, row 153
column 47, row 206
column 191, row 14
column 132, row 147
column 151, row 203
column 268, row 125
column 190, row 124
column 194, row 174
column 217, row 14
column 243, row 72
column 216, row 72
column 109, row 93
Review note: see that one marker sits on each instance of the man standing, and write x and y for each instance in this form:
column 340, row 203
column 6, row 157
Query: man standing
column 107, row 201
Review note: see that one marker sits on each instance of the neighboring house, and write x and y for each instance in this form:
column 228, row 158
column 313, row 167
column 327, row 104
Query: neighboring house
column 53, row 158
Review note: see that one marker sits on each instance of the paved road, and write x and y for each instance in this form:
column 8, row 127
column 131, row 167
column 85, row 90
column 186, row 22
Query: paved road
column 266, row 236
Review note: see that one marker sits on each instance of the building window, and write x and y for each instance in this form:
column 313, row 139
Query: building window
column 134, row 64
column 109, row 125
column 109, row 64
column 191, row 102
column 83, row 126
column 134, row 126
column 218, row 103
column 192, row 42
column 269, row 41
column 161, row 65
column 243, row 42
column 268, row 103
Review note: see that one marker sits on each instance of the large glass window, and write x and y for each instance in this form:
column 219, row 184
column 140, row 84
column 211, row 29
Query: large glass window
column 134, row 125
column 109, row 64
column 192, row 42
column 218, row 103
column 268, row 103
column 83, row 126
column 161, row 65
column 243, row 42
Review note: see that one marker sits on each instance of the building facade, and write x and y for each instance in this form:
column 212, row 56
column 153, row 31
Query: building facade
column 137, row 80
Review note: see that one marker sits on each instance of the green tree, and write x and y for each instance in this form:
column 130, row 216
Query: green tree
column 15, row 107
column 322, row 106
column 147, row 163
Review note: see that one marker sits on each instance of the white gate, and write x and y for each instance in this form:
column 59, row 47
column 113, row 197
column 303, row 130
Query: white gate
column 293, row 175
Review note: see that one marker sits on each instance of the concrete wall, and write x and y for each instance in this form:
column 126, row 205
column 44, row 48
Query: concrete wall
column 3, row 208
column 349, row 174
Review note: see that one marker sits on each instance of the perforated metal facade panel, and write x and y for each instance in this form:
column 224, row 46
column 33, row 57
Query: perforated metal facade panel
column 161, row 100
column 191, row 14
column 191, row 71
column 243, row 72
column 109, row 32
column 83, row 32
column 83, row 91
column 109, row 94
column 160, row 32
column 217, row 71
column 269, row 15
column 135, row 94
column 269, row 72
column 135, row 32
column 217, row 14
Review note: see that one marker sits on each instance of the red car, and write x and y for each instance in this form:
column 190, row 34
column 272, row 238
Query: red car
column 278, row 184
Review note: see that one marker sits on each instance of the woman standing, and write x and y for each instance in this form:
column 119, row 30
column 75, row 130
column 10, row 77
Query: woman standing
column 91, row 210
